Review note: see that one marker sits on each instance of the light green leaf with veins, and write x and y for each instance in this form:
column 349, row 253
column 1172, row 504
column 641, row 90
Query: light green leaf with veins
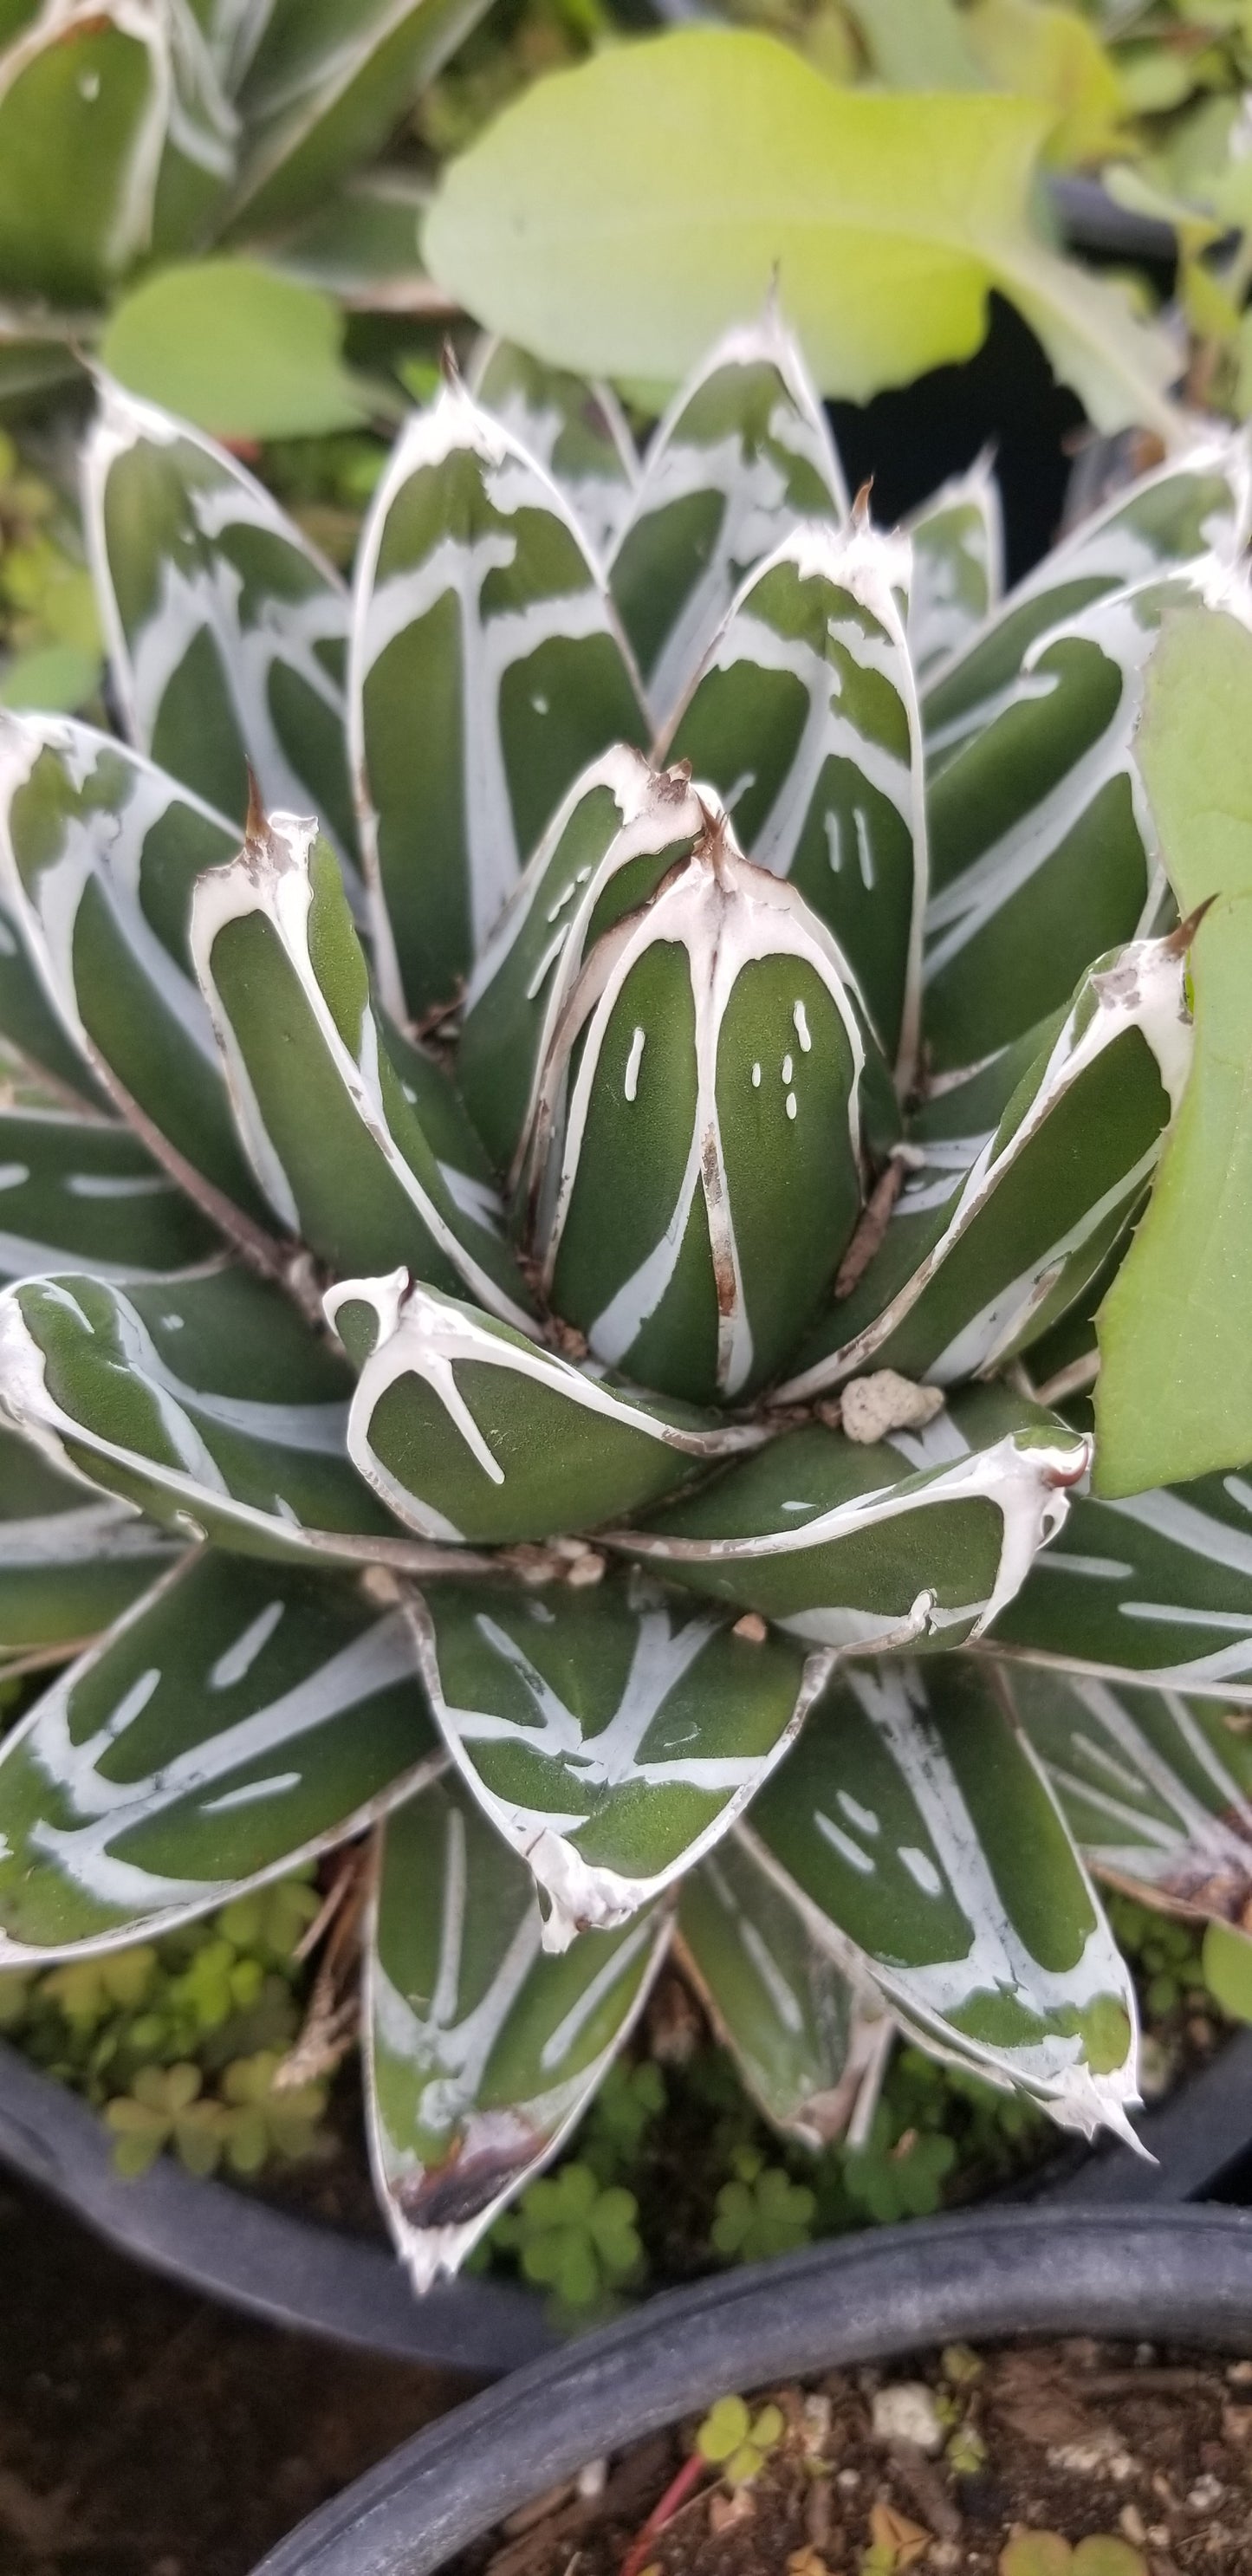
column 1174, row 1395
column 889, row 219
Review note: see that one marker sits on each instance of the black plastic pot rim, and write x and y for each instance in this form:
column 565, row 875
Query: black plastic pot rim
column 225, row 2244
column 1181, row 2274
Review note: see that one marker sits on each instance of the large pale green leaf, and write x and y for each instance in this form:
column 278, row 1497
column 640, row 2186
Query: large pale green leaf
column 575, row 429
column 486, row 673
column 83, row 109
column 241, row 1717
column 76, row 1191
column 226, row 629
column 993, row 1236
column 611, row 1733
column 741, row 457
column 69, row 1564
column 804, row 716
column 923, row 1536
column 915, row 1828
column 482, row 2050
column 324, row 84
column 206, row 1402
column 469, row 1430
column 1155, row 1587
column 803, row 2036
column 1043, row 851
column 332, row 1129
column 100, row 852
column 690, row 167
column 616, row 835
column 1156, row 1789
column 236, row 350
column 1174, row 1395
column 958, row 563
column 1197, row 503
column 696, row 1143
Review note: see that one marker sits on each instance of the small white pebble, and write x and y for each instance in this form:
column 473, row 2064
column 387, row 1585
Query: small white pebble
column 906, row 2412
column 847, row 2479
column 816, row 2412
column 873, row 1406
column 1131, row 2522
column 1157, row 2535
column 1207, row 2492
column 591, row 2481
column 1095, row 2455
column 585, row 1570
column 752, row 1626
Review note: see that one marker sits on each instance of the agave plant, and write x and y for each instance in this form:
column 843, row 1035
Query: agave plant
column 136, row 129
column 534, row 1300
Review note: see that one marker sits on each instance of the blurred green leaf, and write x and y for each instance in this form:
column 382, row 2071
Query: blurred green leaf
column 1227, row 1959
column 888, row 220
column 236, row 349
column 58, row 677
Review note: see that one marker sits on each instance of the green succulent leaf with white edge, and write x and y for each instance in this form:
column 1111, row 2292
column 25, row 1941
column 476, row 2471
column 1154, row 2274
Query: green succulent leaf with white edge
column 807, row 2040
column 804, row 715
column 460, row 1372
column 611, row 1734
column 238, row 1720
column 1155, row 1788
column 483, row 2048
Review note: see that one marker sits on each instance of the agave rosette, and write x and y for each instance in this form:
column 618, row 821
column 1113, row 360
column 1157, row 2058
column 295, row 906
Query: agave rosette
column 533, row 1296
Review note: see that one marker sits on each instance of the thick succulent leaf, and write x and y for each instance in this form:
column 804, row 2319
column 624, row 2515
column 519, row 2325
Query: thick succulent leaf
column 227, row 631
column 958, row 564
column 915, row 1828
column 1192, row 505
column 923, row 1536
column 1043, row 849
column 75, row 1191
column 240, row 1718
column 696, row 1141
column 741, row 456
column 611, row 1733
column 804, row 715
column 619, row 831
column 100, row 853
column 1155, row 1588
column 482, row 2049
column 469, row 1430
column 486, row 672
column 333, row 1134
column 69, row 1566
column 29, row 1027
column 804, row 2037
column 207, row 1402
column 576, row 430
column 1156, row 1789
column 992, row 1237
column 201, row 139
column 325, row 83
column 84, row 108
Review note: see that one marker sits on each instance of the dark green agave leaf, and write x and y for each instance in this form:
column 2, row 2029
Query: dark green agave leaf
column 1155, row 1588
column 958, row 564
column 921, row 1537
column 1156, row 1789
column 916, row 1831
column 696, row 1143
column 205, row 1402
column 483, row 2049
column 993, row 1236
column 487, row 671
column 804, row 717
column 576, row 429
column 804, row 2037
column 81, row 1191
column 333, row 1131
column 70, row 1562
column 240, row 1718
column 227, row 631
column 611, row 1733
column 619, row 831
column 742, row 455
column 469, row 1430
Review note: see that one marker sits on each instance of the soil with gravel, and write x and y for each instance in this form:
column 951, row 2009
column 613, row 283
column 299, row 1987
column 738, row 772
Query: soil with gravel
column 941, row 2467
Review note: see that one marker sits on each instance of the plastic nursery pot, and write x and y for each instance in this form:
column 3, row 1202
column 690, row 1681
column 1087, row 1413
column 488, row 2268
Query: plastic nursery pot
column 226, row 2245
column 1186, row 2274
